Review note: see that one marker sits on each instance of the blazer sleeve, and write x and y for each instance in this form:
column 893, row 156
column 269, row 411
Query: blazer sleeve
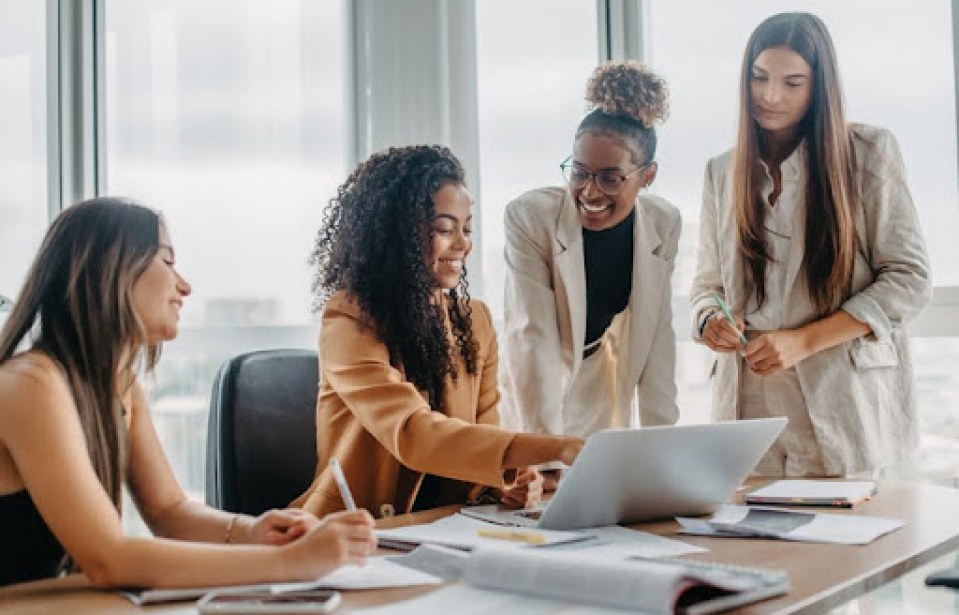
column 532, row 330
column 896, row 249
column 656, row 390
column 708, row 277
column 356, row 365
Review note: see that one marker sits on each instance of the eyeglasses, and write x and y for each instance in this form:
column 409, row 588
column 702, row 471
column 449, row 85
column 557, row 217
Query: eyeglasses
column 608, row 182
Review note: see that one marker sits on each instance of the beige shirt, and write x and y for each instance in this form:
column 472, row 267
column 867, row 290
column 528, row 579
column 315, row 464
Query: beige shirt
column 780, row 221
column 860, row 395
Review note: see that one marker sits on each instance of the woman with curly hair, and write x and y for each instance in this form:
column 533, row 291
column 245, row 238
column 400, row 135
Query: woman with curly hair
column 809, row 234
column 588, row 270
column 100, row 298
column 408, row 361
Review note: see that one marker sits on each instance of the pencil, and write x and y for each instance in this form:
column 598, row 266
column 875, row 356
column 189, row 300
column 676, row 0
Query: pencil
column 533, row 538
column 340, row 479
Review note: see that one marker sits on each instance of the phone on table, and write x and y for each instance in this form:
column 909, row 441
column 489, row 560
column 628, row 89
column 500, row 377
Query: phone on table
column 227, row 602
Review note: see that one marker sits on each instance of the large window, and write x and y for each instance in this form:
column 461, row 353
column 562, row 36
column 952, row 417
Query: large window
column 879, row 54
column 533, row 60
column 23, row 134
column 228, row 116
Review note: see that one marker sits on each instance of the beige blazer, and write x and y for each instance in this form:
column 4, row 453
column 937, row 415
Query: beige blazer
column 860, row 395
column 382, row 429
column 545, row 316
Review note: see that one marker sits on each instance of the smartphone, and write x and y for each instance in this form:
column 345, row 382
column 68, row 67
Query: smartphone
column 227, row 602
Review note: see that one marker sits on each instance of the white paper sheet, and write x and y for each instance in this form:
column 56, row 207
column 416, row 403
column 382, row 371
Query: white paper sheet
column 460, row 531
column 468, row 600
column 378, row 573
column 617, row 542
column 785, row 524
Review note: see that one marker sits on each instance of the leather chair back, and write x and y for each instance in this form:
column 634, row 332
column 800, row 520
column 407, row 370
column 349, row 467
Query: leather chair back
column 261, row 445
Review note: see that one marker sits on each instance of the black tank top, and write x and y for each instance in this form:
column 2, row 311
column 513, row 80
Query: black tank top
column 28, row 549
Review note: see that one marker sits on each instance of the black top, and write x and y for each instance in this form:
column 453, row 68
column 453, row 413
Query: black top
column 608, row 257
column 28, row 549
column 436, row 491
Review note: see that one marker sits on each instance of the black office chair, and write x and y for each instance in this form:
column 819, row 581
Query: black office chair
column 261, row 445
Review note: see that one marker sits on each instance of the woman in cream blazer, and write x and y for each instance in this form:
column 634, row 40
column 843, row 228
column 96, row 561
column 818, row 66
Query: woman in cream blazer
column 546, row 320
column 830, row 353
column 579, row 358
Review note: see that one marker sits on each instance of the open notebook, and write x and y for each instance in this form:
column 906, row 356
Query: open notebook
column 537, row 581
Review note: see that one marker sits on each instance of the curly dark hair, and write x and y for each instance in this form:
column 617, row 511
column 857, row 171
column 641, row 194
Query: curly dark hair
column 372, row 244
column 627, row 99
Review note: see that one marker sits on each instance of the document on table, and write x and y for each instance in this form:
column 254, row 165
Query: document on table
column 462, row 532
column 546, row 581
column 782, row 524
column 468, row 600
column 377, row 573
column 618, row 542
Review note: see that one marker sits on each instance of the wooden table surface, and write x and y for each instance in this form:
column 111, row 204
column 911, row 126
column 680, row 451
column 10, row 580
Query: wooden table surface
column 822, row 576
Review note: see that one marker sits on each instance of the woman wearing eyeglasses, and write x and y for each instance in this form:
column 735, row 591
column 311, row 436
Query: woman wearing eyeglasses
column 588, row 317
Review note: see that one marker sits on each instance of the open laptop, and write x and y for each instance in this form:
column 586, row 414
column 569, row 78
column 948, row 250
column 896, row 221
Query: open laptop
column 631, row 475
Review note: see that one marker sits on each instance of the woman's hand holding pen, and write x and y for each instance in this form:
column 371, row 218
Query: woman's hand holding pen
column 720, row 334
column 526, row 491
column 339, row 538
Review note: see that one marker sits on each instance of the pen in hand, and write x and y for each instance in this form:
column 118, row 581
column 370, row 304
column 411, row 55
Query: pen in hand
column 729, row 317
column 340, row 479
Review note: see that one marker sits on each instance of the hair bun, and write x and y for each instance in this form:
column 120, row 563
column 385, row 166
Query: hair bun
column 629, row 88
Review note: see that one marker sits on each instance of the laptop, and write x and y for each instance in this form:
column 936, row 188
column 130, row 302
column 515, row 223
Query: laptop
column 630, row 475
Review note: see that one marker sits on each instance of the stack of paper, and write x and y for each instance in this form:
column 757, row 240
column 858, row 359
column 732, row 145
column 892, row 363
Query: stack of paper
column 802, row 526
column 844, row 494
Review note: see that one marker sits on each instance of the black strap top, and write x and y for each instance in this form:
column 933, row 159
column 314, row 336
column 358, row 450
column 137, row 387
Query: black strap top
column 28, row 549
column 608, row 260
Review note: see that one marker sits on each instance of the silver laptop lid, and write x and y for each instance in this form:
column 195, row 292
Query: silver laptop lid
column 630, row 475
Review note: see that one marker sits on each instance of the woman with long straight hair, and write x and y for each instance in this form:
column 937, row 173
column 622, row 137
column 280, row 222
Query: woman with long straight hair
column 809, row 234
column 101, row 296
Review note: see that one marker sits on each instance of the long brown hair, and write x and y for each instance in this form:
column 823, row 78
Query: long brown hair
column 830, row 243
column 77, row 302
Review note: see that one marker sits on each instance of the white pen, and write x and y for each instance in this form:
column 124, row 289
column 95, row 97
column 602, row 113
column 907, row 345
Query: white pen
column 341, row 483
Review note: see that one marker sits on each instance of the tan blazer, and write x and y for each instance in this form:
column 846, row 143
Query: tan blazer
column 860, row 395
column 545, row 317
column 382, row 429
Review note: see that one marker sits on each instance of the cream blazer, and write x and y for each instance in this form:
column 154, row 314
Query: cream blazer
column 860, row 395
column 545, row 317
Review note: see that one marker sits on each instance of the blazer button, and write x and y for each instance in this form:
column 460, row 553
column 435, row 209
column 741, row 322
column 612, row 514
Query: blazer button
column 387, row 511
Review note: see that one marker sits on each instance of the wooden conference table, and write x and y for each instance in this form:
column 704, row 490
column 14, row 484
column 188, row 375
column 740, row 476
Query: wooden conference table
column 821, row 576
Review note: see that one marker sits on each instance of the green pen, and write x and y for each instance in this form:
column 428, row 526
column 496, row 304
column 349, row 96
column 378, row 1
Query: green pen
column 729, row 317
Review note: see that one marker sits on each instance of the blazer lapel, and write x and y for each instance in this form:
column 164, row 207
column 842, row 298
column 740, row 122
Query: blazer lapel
column 649, row 271
column 571, row 275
